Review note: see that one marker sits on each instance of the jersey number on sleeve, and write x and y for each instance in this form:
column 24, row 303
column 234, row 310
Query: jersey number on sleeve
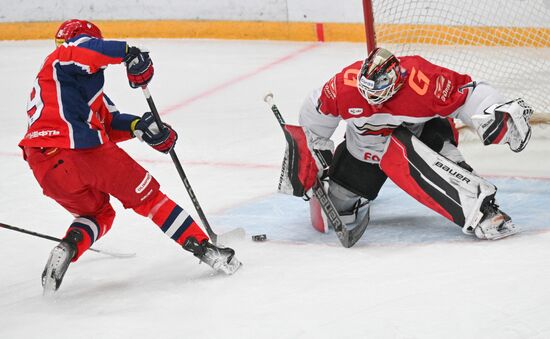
column 35, row 104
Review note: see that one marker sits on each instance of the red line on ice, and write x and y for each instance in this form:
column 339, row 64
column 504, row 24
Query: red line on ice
column 266, row 166
column 237, row 79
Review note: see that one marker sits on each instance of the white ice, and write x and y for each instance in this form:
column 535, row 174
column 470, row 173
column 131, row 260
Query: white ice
column 413, row 275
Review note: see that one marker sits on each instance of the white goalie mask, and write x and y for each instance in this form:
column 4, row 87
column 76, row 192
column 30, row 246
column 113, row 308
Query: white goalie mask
column 380, row 77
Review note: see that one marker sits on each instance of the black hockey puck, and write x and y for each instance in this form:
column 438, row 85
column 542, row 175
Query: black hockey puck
column 259, row 237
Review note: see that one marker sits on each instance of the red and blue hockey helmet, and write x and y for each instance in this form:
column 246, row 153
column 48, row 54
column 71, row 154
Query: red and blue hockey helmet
column 74, row 27
column 380, row 77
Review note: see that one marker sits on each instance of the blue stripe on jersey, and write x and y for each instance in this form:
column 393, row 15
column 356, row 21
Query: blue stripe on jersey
column 122, row 121
column 188, row 221
column 75, row 107
column 171, row 218
column 110, row 48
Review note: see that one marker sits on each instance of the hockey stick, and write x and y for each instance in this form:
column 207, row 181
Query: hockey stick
column 236, row 233
column 45, row 236
column 348, row 237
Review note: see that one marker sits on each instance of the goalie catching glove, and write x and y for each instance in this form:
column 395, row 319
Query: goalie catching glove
column 307, row 157
column 146, row 129
column 506, row 123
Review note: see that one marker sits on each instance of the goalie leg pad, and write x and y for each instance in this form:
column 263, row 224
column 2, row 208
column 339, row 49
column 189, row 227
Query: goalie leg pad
column 353, row 209
column 435, row 181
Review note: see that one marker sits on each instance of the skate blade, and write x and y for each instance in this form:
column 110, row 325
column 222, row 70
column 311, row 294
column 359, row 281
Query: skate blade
column 228, row 268
column 48, row 284
column 504, row 231
column 55, row 270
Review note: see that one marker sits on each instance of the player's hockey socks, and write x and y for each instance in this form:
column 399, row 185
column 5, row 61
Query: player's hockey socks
column 307, row 157
column 173, row 220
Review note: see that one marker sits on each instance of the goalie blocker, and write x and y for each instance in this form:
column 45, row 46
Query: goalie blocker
column 306, row 158
column 440, row 184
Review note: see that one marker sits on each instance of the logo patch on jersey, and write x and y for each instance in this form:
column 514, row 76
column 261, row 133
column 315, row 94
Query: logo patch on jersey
column 379, row 130
column 443, row 88
column 355, row 111
column 330, row 88
column 42, row 133
column 144, row 183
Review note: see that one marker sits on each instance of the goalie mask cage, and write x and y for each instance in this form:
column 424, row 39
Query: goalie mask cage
column 503, row 42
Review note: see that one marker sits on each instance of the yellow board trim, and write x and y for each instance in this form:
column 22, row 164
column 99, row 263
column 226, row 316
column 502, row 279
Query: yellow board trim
column 292, row 31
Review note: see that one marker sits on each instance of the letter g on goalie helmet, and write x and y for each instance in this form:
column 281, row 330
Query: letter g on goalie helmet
column 380, row 76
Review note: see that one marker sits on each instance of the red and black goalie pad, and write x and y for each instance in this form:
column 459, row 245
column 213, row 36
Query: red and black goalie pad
column 301, row 168
column 407, row 162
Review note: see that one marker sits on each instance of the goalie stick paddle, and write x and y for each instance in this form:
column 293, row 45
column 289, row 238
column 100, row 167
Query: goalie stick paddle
column 211, row 234
column 348, row 237
column 49, row 237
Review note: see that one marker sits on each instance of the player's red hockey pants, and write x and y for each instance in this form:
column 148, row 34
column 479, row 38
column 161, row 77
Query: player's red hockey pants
column 82, row 181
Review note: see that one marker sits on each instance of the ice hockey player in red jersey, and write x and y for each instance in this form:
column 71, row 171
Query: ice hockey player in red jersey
column 71, row 147
column 399, row 114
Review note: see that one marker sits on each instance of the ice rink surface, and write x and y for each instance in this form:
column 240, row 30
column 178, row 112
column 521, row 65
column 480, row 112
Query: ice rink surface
column 413, row 275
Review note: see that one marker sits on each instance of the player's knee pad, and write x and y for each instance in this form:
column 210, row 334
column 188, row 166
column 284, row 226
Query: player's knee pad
column 434, row 180
column 362, row 178
column 506, row 123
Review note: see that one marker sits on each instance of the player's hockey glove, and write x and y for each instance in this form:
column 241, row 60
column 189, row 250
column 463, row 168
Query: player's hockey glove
column 146, row 129
column 139, row 67
column 307, row 157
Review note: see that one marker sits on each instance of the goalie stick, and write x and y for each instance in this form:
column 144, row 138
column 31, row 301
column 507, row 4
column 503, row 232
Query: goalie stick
column 236, row 233
column 348, row 237
column 49, row 237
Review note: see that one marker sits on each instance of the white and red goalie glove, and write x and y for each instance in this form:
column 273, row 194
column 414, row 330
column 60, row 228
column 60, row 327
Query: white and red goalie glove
column 307, row 157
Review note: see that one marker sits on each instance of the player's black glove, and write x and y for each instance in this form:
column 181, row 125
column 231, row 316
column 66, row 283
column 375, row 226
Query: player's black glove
column 139, row 67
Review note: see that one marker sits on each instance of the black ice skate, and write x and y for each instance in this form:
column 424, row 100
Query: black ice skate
column 219, row 258
column 58, row 262
column 495, row 224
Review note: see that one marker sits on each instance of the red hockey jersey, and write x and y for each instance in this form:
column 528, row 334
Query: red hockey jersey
column 429, row 91
column 67, row 107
